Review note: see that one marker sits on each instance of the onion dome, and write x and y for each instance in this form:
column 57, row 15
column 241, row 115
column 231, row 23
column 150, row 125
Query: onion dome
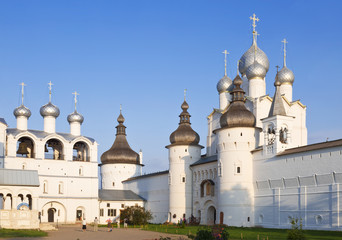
column 22, row 111
column 184, row 134
column 120, row 152
column 285, row 76
column 254, row 53
column 256, row 70
column 237, row 114
column 49, row 110
column 225, row 84
column 75, row 117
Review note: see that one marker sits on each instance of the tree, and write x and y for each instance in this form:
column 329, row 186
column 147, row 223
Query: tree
column 296, row 232
column 136, row 215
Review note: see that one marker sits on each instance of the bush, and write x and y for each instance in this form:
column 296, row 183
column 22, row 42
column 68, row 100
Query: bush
column 296, row 232
column 136, row 215
column 215, row 233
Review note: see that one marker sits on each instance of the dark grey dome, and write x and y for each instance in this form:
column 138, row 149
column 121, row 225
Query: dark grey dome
column 184, row 134
column 49, row 110
column 22, row 111
column 75, row 117
column 120, row 152
column 237, row 114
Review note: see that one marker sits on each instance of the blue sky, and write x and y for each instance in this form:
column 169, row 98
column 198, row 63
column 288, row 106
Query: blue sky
column 143, row 54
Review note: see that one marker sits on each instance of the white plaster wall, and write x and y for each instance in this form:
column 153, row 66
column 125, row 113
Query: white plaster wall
column 213, row 124
column 257, row 88
column 225, row 98
column 114, row 174
column 3, row 128
column 49, row 124
column 155, row 190
column 22, row 123
column 75, row 128
column 236, row 191
column 286, row 89
column 180, row 159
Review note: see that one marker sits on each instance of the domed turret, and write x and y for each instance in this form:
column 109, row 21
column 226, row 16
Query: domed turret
column 22, row 111
column 120, row 152
column 184, row 134
column 75, row 117
column 49, row 110
column 225, row 84
column 237, row 114
column 285, row 76
column 256, row 70
column 254, row 53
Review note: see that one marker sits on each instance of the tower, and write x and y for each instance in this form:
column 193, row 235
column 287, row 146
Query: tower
column 75, row 120
column 286, row 78
column 224, row 86
column 120, row 162
column 49, row 112
column 184, row 150
column 253, row 66
column 236, row 138
column 277, row 126
column 22, row 113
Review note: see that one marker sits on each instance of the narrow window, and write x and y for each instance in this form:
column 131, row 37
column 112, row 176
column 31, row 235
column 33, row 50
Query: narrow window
column 241, row 134
column 186, row 150
column 113, row 183
column 122, row 205
column 183, row 179
column 248, row 219
column 108, row 204
column 58, row 213
column 238, row 170
column 101, row 212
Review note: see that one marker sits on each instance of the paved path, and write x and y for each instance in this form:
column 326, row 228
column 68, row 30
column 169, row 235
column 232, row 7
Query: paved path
column 74, row 232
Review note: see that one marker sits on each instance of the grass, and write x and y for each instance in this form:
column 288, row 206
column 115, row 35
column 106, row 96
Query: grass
column 248, row 233
column 11, row 233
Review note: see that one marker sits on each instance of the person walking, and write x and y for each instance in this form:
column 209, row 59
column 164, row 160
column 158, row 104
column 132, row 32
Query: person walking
column 84, row 225
column 96, row 224
column 109, row 225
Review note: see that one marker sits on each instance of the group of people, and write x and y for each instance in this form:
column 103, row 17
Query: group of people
column 109, row 221
column 84, row 224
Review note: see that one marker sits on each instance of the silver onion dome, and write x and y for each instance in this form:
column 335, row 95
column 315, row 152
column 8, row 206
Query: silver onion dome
column 225, row 84
column 285, row 76
column 250, row 55
column 49, row 110
column 22, row 111
column 75, row 117
column 256, row 70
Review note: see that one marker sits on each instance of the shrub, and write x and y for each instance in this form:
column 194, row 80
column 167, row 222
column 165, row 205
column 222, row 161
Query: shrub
column 136, row 215
column 296, row 232
column 215, row 233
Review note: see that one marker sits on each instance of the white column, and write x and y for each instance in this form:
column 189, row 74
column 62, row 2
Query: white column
column 22, row 123
column 257, row 87
column 49, row 124
column 286, row 89
column 75, row 128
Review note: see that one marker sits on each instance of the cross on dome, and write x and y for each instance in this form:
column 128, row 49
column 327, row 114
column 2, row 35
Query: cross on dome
column 75, row 98
column 284, row 41
column 254, row 19
column 22, row 92
column 225, row 52
column 50, row 88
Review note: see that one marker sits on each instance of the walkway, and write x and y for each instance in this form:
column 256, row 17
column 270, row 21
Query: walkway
column 74, row 232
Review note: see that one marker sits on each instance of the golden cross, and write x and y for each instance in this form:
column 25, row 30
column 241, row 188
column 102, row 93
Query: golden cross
column 254, row 19
column 22, row 92
column 185, row 94
column 75, row 98
column 225, row 61
column 284, row 41
column 50, row 87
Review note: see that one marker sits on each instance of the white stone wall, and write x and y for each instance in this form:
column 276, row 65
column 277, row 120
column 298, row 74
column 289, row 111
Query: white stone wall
column 155, row 190
column 114, row 174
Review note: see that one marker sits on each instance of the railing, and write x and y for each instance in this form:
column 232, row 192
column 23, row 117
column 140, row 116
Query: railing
column 269, row 149
column 54, row 156
column 81, row 159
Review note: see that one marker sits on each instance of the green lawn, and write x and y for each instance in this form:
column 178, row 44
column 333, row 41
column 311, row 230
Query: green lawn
column 11, row 233
column 249, row 233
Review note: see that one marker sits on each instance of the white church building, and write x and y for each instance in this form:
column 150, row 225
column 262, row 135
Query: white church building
column 256, row 168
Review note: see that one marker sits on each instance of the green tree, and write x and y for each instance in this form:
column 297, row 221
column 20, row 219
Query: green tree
column 296, row 232
column 136, row 215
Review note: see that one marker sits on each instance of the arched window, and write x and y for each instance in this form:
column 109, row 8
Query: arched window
column 207, row 188
column 45, row 187
column 81, row 152
column 270, row 135
column 54, row 149
column 25, row 147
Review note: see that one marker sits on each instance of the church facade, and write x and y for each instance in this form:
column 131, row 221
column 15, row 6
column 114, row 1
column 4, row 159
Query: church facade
column 257, row 169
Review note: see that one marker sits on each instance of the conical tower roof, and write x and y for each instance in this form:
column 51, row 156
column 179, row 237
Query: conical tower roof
column 120, row 152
